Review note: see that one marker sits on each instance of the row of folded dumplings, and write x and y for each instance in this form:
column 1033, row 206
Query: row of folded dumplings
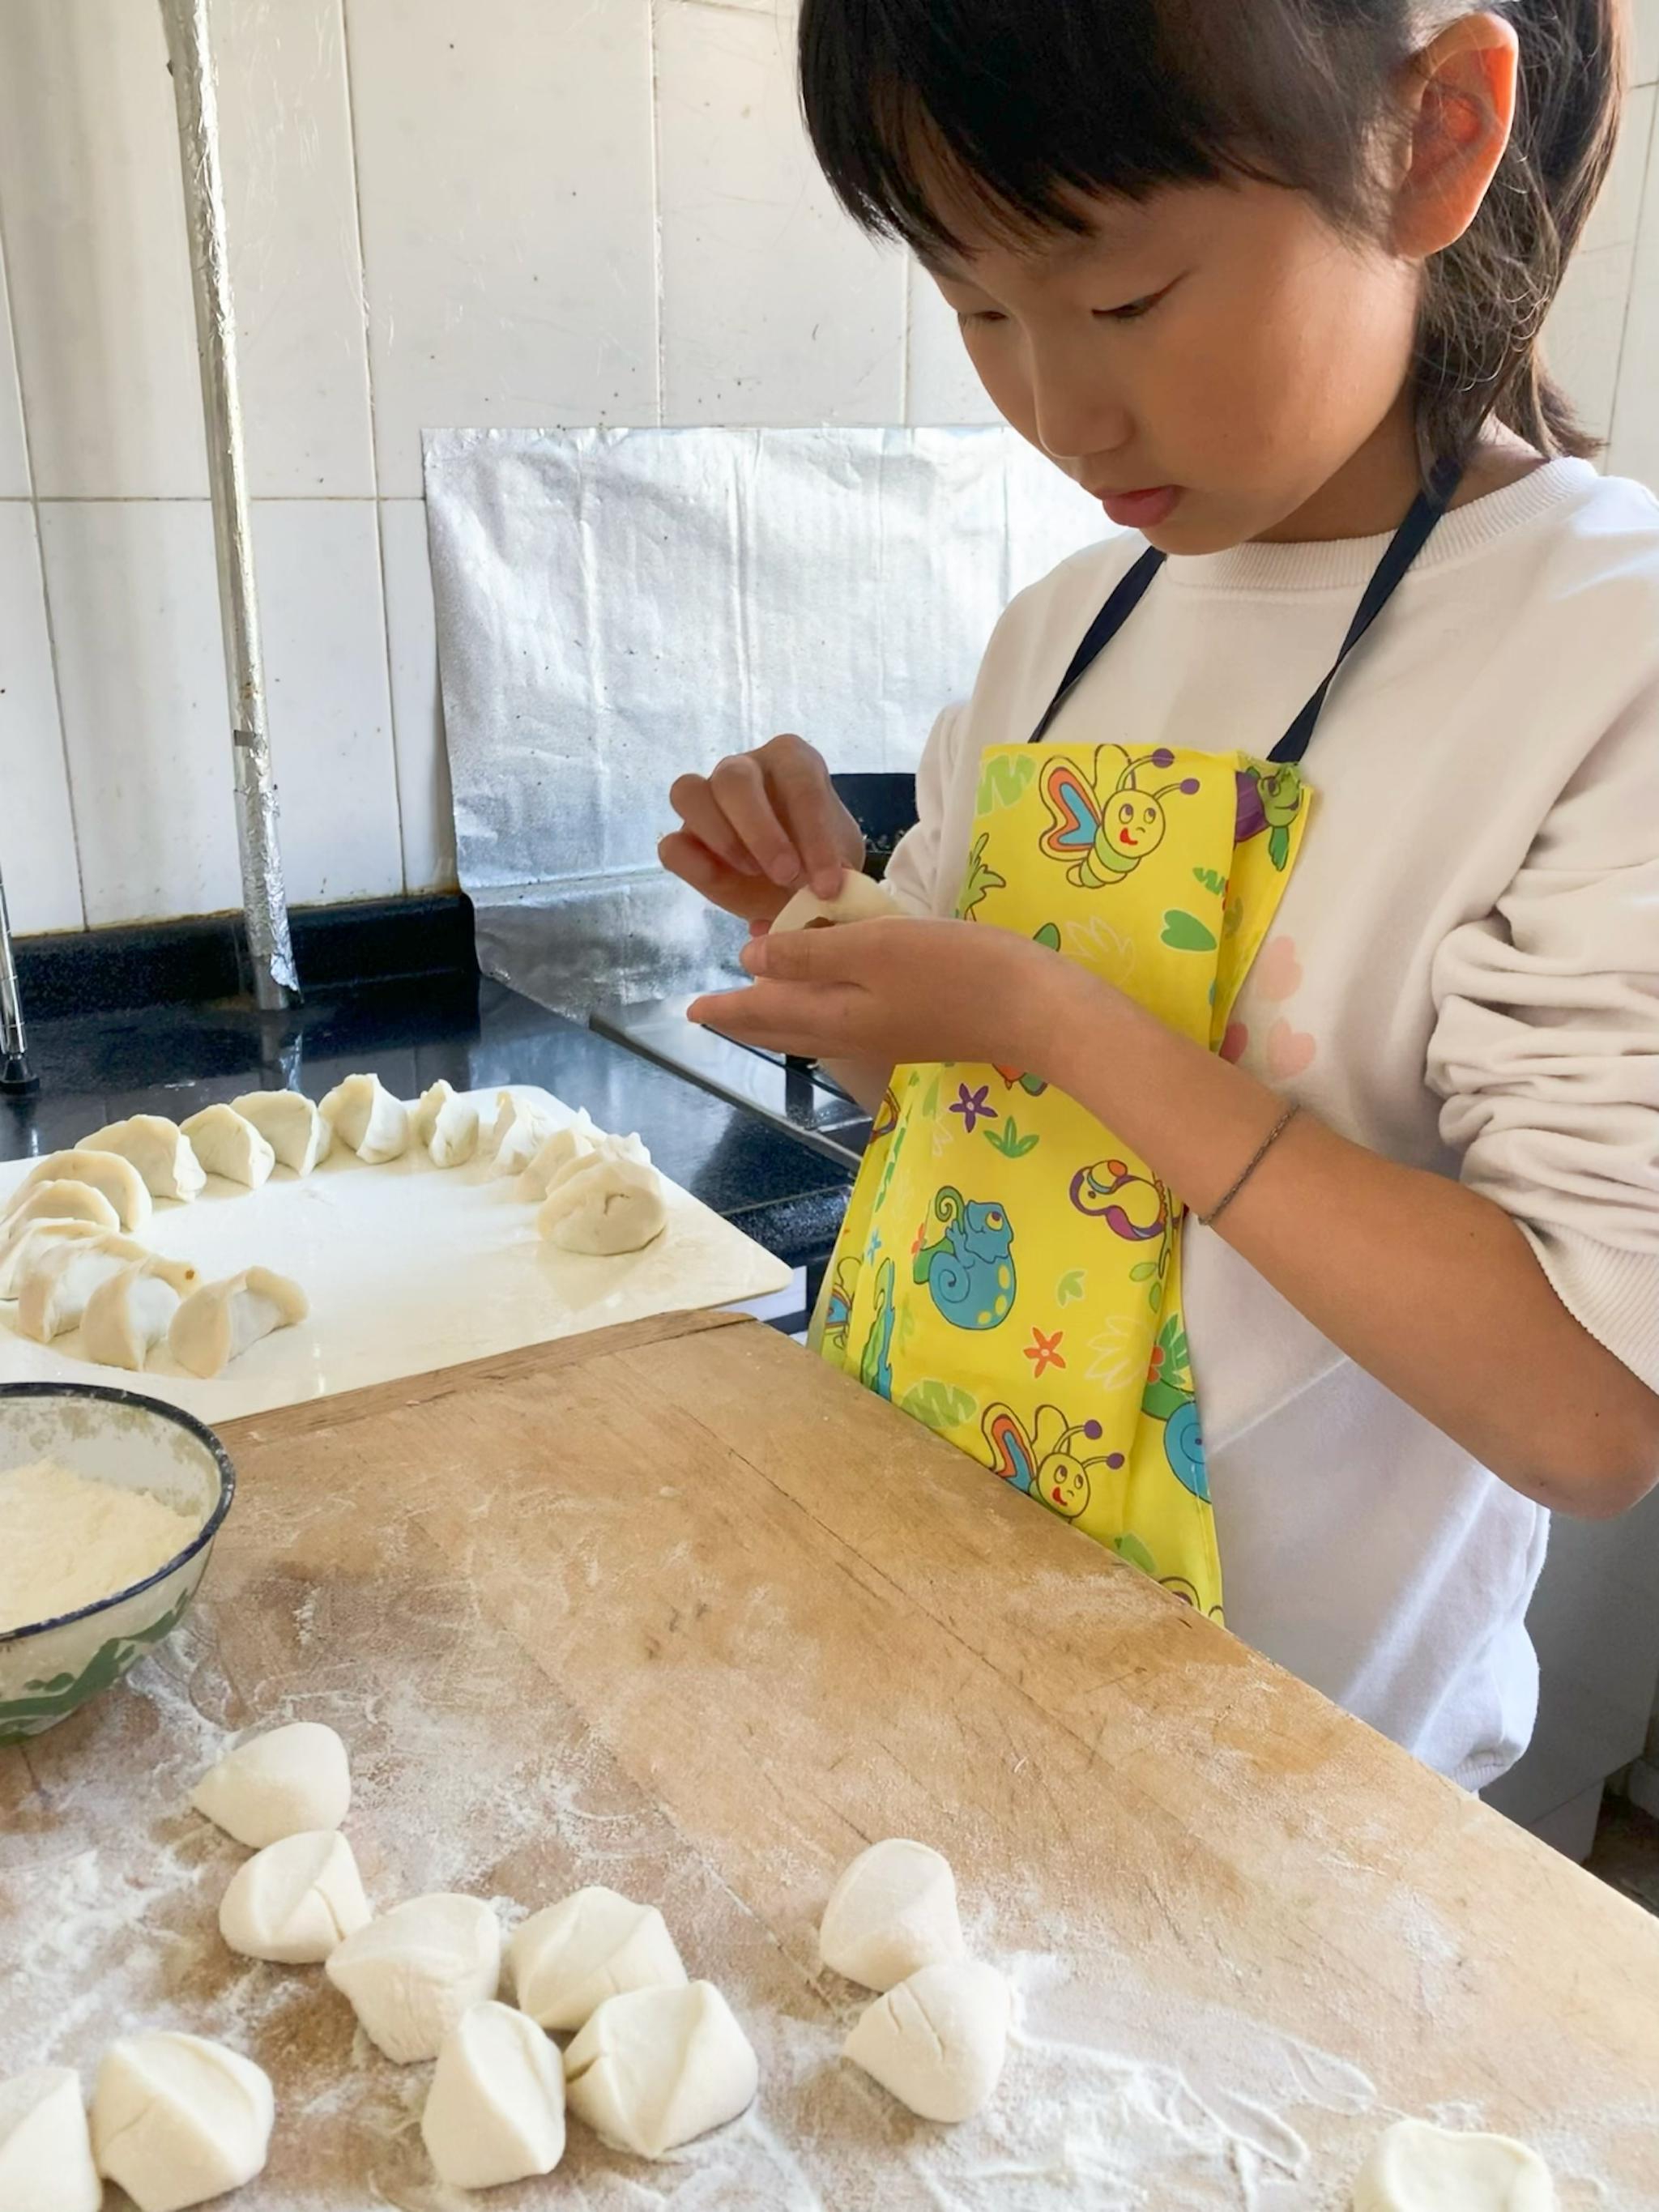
column 70, row 1258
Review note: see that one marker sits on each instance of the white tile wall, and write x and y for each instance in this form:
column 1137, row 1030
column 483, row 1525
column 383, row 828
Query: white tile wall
column 328, row 699
column 291, row 212
column 532, row 212
column 141, row 674
column 429, row 826
column 775, row 308
column 504, row 157
column 37, row 834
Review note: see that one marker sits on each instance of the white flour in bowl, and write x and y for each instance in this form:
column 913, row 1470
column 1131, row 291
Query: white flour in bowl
column 66, row 1540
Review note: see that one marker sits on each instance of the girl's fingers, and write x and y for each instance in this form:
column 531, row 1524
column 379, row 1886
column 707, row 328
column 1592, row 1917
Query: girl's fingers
column 805, row 1022
column 740, row 790
column 695, row 803
column 825, row 833
column 753, row 898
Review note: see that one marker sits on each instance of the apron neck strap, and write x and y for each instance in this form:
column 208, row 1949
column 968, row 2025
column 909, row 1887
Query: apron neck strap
column 1407, row 541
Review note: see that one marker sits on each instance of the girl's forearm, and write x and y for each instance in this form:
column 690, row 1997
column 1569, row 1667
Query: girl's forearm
column 866, row 1080
column 1429, row 1287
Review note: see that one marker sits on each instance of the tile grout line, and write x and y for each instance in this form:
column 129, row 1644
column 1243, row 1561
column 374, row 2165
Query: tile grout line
column 374, row 444
column 661, row 364
column 1630, row 279
column 33, row 504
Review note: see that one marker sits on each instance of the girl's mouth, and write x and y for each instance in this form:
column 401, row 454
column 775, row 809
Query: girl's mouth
column 1141, row 510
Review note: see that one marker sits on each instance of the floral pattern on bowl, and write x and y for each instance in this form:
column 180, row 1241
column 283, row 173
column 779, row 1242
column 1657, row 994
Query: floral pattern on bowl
column 50, row 1669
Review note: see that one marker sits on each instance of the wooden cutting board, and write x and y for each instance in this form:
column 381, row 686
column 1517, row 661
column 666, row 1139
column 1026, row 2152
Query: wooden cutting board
column 675, row 1608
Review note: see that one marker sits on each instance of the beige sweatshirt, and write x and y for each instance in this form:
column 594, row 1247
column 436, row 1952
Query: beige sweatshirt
column 1463, row 975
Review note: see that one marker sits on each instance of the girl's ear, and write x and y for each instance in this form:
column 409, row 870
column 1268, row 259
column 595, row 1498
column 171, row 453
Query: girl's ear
column 1460, row 94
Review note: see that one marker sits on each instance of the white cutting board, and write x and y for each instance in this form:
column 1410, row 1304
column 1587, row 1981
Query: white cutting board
column 408, row 1267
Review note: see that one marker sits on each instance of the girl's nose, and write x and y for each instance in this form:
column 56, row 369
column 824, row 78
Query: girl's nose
column 1076, row 418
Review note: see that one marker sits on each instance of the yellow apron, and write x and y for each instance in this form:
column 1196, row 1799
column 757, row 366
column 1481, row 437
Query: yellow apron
column 1009, row 1273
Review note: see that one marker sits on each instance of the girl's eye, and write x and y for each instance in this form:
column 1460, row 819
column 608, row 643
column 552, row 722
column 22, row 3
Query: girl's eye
column 981, row 316
column 1133, row 310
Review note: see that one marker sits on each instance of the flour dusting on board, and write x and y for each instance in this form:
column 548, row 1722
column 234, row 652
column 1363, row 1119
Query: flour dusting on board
column 471, row 1773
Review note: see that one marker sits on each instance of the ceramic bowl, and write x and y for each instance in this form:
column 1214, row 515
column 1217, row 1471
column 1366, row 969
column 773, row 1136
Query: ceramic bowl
column 49, row 1668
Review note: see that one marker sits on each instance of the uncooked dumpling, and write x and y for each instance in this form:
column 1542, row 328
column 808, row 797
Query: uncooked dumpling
column 160, row 1150
column 290, row 1125
column 410, row 1974
column 893, row 1911
column 130, row 1313
column 295, row 1901
column 367, row 1119
column 937, row 2041
column 118, row 1180
column 446, row 1125
column 227, row 1143
column 177, row 2120
column 615, row 1205
column 26, row 1240
column 585, row 1155
column 859, row 899
column 53, row 1294
column 286, row 1782
column 494, row 2113
column 653, row 2068
column 45, row 2152
column 575, row 1141
column 218, row 1322
column 568, row 1959
column 526, row 1132
column 1416, row 2167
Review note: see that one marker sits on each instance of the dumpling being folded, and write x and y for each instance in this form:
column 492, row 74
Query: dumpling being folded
column 51, row 1204
column 447, row 1124
column 132, row 1311
column 53, row 1294
column 217, row 1323
column 227, row 1143
column 118, row 1180
column 159, row 1149
column 289, row 1124
column 367, row 1119
column 608, row 1205
column 29, row 1241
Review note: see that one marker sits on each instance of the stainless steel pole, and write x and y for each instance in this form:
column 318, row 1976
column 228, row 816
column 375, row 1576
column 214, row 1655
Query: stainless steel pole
column 15, row 1076
column 189, row 57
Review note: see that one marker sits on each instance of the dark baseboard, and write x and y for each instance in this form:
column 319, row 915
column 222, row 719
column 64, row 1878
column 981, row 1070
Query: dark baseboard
column 103, row 971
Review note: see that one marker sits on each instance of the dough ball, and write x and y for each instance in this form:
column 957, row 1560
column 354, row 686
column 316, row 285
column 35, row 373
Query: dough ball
column 176, row 2119
column 494, row 2113
column 294, row 1900
column 893, row 1911
column 655, row 2068
column 1416, row 2167
column 938, row 2041
column 410, row 1974
column 45, row 2152
column 859, row 899
column 566, row 1961
column 281, row 1784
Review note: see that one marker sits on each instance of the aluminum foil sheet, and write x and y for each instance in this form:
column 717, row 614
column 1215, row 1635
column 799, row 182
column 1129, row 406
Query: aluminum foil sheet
column 617, row 606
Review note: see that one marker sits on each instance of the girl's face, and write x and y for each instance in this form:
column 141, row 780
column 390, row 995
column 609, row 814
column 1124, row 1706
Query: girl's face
column 1208, row 362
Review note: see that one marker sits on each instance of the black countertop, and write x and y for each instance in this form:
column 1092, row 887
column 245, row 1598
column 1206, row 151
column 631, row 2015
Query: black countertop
column 477, row 1034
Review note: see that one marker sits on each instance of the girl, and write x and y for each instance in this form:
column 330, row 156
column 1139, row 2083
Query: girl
column 1318, row 1099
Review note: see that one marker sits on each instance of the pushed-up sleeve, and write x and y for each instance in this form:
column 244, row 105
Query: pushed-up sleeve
column 915, row 870
column 1545, row 1047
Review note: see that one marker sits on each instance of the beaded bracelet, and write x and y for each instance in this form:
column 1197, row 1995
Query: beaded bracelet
column 1255, row 1160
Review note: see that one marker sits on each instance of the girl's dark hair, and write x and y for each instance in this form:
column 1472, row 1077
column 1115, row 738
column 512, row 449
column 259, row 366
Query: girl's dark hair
column 1023, row 104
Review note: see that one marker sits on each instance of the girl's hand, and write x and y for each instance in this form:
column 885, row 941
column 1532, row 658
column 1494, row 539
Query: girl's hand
column 760, row 827
column 897, row 992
